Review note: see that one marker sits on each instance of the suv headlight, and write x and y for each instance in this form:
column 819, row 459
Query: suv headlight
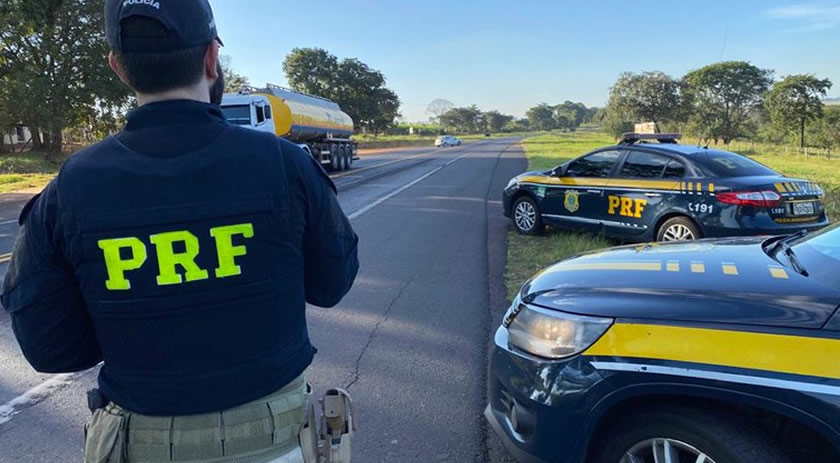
column 552, row 334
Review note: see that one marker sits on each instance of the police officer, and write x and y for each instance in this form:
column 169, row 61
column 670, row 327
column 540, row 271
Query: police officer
column 181, row 253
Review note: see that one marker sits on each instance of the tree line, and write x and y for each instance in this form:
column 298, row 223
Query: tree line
column 470, row 119
column 725, row 101
column 55, row 80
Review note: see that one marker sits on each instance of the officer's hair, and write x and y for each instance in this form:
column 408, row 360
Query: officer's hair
column 158, row 72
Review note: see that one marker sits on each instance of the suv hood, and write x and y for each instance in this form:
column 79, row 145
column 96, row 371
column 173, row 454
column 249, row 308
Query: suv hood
column 708, row 281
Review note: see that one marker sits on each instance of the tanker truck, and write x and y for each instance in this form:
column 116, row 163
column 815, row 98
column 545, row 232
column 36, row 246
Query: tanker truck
column 316, row 124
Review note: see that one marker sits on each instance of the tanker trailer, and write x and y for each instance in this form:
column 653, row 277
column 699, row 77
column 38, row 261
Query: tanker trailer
column 316, row 124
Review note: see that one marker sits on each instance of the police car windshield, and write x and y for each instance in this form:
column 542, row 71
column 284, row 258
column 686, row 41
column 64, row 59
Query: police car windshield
column 820, row 254
column 726, row 164
column 238, row 114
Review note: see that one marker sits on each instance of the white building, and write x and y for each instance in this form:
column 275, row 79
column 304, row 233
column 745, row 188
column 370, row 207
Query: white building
column 17, row 136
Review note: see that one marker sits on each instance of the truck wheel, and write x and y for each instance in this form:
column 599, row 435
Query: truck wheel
column 684, row 434
column 335, row 159
column 348, row 156
column 678, row 229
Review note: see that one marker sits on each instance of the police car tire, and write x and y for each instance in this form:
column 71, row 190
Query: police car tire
column 538, row 227
column 679, row 220
column 724, row 438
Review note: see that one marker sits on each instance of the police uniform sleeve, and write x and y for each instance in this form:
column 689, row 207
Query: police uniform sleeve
column 330, row 245
column 43, row 298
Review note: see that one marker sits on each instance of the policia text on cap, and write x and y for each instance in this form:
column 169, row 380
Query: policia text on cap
column 181, row 253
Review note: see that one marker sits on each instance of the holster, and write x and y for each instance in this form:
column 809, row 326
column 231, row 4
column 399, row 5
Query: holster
column 333, row 443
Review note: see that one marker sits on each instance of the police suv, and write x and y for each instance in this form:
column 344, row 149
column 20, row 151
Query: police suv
column 711, row 351
column 644, row 191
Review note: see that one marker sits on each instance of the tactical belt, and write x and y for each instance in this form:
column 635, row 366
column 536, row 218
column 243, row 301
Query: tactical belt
column 255, row 432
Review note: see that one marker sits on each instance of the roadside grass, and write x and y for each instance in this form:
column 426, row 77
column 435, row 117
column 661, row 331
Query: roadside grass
column 29, row 170
column 529, row 254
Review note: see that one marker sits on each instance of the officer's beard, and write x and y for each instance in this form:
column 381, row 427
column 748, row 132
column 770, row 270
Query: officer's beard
column 217, row 90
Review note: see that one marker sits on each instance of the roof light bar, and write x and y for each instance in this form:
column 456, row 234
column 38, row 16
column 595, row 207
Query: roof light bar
column 634, row 137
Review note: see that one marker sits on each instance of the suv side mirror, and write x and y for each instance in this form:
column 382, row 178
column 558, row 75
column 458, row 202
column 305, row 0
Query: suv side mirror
column 560, row 171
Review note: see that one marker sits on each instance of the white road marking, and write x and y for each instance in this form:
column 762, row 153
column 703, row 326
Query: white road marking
column 35, row 395
column 8, row 222
column 399, row 190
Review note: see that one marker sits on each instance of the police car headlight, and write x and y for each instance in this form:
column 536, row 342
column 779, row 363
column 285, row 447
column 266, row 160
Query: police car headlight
column 512, row 182
column 553, row 334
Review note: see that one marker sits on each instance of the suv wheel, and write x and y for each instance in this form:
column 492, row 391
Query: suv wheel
column 678, row 229
column 685, row 434
column 526, row 216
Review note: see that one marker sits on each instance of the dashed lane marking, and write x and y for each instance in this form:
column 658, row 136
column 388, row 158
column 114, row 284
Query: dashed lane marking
column 407, row 158
column 399, row 190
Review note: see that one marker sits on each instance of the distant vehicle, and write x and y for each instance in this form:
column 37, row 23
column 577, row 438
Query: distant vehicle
column 316, row 124
column 715, row 351
column 447, row 140
column 639, row 191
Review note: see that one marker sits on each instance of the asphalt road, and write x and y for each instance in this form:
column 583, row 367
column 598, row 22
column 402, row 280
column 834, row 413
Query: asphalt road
column 410, row 340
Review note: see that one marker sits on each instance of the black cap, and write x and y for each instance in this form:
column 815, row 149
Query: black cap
column 189, row 24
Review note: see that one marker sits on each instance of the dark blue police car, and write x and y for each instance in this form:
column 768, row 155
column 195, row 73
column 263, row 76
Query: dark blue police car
column 710, row 351
column 639, row 191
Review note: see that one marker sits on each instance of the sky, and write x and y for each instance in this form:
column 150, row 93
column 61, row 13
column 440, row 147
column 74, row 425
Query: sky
column 511, row 55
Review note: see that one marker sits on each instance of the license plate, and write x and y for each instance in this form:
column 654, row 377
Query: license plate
column 803, row 209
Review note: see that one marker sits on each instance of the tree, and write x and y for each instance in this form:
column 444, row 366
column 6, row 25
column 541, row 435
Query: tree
column 464, row 120
column 53, row 56
column 496, row 121
column 724, row 96
column 797, row 100
column 358, row 89
column 311, row 70
column 438, row 108
column 650, row 96
column 826, row 131
column 541, row 117
column 233, row 81
column 573, row 113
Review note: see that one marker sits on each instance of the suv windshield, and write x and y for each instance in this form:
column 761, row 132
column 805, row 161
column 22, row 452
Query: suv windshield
column 726, row 164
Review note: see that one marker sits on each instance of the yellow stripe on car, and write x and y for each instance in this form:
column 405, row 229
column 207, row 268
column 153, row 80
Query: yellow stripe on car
column 729, row 268
column 778, row 272
column 758, row 351
column 650, row 266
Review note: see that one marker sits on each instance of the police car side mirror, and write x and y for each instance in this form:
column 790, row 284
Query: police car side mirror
column 560, row 171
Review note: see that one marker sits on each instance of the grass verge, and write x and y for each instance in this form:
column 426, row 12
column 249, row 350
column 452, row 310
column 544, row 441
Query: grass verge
column 29, row 170
column 529, row 254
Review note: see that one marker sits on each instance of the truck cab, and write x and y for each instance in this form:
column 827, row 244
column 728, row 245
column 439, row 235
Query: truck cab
column 252, row 111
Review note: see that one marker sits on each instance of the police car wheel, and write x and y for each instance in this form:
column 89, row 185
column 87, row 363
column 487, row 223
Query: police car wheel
column 526, row 216
column 678, row 229
column 685, row 434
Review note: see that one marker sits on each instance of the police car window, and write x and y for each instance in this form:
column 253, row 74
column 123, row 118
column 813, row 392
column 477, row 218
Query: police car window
column 725, row 164
column 674, row 169
column 644, row 165
column 268, row 112
column 238, row 114
column 260, row 115
column 594, row 165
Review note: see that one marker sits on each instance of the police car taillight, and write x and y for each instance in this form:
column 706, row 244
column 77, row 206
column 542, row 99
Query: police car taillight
column 751, row 198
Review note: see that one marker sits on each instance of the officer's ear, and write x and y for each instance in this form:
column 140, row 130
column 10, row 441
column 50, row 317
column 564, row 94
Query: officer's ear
column 114, row 62
column 211, row 62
